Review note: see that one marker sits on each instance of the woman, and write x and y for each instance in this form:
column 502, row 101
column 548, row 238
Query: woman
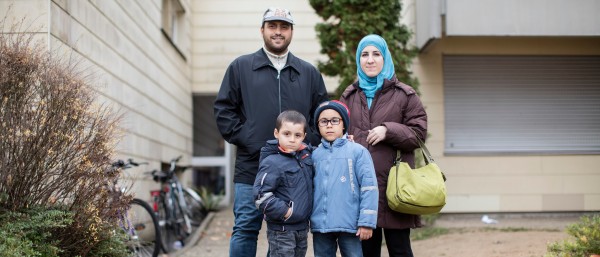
column 386, row 116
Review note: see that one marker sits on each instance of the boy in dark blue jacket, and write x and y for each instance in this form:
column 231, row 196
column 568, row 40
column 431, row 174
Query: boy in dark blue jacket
column 283, row 188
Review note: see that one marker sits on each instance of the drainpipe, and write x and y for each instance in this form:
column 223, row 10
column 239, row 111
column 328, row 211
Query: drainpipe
column 49, row 24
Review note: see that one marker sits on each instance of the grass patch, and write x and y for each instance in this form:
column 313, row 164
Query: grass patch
column 519, row 229
column 427, row 233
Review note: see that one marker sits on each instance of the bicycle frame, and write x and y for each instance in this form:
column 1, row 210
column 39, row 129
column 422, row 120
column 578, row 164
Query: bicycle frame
column 170, row 199
column 137, row 245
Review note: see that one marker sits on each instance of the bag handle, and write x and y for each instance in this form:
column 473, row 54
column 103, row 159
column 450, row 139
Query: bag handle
column 424, row 151
column 426, row 155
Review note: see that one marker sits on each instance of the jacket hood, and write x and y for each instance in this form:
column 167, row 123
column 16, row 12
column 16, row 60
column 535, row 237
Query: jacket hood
column 338, row 142
column 270, row 148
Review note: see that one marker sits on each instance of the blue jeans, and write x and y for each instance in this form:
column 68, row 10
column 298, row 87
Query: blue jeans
column 325, row 244
column 292, row 243
column 248, row 221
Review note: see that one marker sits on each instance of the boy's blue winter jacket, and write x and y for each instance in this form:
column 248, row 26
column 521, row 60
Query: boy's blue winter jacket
column 284, row 180
column 346, row 192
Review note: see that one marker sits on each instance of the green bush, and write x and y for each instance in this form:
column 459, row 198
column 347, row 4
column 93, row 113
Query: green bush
column 585, row 241
column 210, row 201
column 36, row 232
column 30, row 233
column 346, row 22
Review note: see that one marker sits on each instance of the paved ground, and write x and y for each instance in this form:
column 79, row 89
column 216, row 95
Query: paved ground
column 212, row 239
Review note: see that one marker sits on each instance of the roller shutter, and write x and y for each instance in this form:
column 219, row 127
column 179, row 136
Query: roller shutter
column 522, row 104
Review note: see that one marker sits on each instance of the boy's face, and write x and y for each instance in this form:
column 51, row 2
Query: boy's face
column 329, row 131
column 290, row 136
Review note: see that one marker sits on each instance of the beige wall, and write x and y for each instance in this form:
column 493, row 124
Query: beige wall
column 507, row 183
column 142, row 74
column 137, row 70
column 223, row 30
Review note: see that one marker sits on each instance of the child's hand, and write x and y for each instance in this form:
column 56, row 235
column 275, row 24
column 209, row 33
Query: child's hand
column 350, row 138
column 364, row 233
column 288, row 214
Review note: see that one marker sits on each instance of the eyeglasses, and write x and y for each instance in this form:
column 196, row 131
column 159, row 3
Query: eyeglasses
column 324, row 122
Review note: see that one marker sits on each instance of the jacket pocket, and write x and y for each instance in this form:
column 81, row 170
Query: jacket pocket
column 292, row 178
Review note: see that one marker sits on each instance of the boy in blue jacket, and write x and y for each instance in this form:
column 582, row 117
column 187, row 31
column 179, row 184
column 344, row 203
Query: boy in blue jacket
column 283, row 188
column 346, row 194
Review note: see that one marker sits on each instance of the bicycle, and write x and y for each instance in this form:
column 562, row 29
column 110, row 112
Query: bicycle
column 139, row 222
column 178, row 209
column 195, row 206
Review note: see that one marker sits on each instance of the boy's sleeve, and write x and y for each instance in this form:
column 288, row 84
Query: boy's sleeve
column 369, row 192
column 266, row 182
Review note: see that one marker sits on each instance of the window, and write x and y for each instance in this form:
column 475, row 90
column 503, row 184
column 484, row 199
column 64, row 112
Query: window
column 522, row 104
column 207, row 139
column 173, row 23
column 212, row 161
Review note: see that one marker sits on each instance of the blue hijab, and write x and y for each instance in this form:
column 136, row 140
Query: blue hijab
column 370, row 85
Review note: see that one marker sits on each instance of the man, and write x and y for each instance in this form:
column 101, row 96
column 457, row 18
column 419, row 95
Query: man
column 255, row 89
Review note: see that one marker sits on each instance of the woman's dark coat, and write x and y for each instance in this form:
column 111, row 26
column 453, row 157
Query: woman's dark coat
column 397, row 107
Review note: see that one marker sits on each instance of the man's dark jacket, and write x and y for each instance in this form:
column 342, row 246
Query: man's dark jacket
column 251, row 97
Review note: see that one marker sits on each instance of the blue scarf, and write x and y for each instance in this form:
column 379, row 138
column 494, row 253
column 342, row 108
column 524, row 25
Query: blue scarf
column 370, row 85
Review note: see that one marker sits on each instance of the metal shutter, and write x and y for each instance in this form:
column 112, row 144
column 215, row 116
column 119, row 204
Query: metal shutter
column 522, row 104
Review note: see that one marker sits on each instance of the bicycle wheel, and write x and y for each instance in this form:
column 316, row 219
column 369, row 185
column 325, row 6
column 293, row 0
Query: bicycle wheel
column 183, row 227
column 143, row 230
column 164, row 216
column 195, row 206
column 173, row 223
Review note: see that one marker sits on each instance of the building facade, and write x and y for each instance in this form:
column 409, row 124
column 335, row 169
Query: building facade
column 512, row 88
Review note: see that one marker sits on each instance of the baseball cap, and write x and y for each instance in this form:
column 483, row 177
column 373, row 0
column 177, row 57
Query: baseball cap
column 278, row 14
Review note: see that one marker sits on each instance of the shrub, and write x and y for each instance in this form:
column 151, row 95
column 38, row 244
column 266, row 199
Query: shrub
column 346, row 22
column 585, row 241
column 56, row 144
column 210, row 201
column 29, row 233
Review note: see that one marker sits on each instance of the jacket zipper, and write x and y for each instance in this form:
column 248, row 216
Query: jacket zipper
column 279, row 87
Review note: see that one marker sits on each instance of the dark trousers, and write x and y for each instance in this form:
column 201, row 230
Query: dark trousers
column 397, row 241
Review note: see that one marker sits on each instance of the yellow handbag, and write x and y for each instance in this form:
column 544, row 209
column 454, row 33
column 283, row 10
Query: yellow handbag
column 416, row 191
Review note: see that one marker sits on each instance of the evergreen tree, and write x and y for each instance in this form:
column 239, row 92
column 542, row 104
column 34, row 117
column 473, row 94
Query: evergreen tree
column 346, row 22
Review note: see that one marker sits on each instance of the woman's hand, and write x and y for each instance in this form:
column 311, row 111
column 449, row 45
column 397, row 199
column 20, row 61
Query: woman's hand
column 364, row 233
column 376, row 135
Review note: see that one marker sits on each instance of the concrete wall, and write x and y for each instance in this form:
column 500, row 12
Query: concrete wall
column 507, row 183
column 143, row 75
column 522, row 18
column 223, row 30
column 136, row 69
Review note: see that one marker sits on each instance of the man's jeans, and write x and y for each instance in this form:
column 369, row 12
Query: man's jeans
column 248, row 221
column 288, row 243
column 325, row 244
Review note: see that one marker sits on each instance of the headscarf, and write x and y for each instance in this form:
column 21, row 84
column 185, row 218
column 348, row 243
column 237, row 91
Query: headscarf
column 370, row 85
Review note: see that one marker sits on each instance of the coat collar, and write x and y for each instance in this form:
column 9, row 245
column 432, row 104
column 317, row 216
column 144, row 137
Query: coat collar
column 260, row 60
column 338, row 142
column 387, row 85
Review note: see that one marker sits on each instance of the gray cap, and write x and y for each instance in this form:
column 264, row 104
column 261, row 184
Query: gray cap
column 278, row 14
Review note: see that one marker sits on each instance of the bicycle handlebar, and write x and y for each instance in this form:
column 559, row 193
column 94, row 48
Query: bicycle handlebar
column 128, row 164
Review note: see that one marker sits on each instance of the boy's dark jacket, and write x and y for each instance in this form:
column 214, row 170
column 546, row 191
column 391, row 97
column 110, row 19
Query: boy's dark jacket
column 284, row 180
